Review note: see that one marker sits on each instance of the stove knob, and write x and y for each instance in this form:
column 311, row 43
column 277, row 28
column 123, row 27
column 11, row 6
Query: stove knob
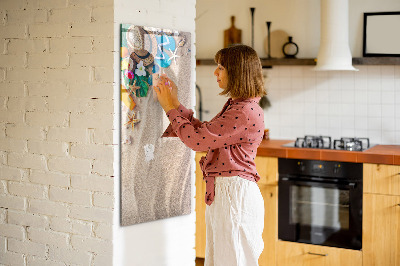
column 301, row 166
column 336, row 169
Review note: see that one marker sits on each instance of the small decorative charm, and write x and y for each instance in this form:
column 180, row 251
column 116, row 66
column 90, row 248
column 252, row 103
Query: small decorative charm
column 128, row 140
column 290, row 49
column 132, row 120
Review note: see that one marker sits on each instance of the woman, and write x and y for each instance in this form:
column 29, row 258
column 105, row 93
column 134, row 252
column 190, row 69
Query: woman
column 235, row 207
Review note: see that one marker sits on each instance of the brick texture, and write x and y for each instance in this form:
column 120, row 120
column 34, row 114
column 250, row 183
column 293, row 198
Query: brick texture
column 56, row 121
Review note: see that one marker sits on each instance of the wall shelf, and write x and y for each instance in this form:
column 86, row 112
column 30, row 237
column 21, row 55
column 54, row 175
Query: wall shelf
column 312, row 61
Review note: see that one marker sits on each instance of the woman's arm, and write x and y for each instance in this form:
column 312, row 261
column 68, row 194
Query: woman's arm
column 228, row 129
column 187, row 113
column 225, row 130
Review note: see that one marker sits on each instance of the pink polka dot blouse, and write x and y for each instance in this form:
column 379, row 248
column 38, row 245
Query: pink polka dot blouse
column 231, row 139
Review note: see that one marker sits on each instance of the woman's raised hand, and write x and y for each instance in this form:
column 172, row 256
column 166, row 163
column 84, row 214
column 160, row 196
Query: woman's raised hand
column 174, row 89
column 163, row 88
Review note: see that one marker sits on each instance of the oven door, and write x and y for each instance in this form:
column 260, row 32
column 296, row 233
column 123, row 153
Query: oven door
column 315, row 211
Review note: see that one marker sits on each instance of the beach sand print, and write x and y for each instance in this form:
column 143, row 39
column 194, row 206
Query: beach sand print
column 155, row 172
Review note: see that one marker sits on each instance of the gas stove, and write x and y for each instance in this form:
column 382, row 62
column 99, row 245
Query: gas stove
column 325, row 142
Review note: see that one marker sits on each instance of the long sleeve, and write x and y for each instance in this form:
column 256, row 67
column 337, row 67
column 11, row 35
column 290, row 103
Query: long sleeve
column 225, row 130
column 186, row 113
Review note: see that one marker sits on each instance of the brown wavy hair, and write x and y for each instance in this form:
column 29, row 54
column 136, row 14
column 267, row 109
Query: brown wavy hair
column 245, row 78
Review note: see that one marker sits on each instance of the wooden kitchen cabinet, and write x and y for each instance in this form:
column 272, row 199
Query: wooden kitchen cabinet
column 381, row 215
column 270, row 233
column 298, row 254
column 381, row 179
column 267, row 167
column 200, row 209
column 381, row 230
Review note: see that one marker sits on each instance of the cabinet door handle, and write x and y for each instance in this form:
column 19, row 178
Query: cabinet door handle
column 318, row 254
column 398, row 204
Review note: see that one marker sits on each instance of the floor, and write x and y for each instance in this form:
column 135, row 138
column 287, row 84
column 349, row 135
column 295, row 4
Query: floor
column 199, row 262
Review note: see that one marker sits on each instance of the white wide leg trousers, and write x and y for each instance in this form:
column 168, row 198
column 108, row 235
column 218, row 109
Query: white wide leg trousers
column 234, row 223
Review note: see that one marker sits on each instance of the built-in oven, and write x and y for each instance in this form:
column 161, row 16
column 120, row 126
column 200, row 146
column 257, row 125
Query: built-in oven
column 320, row 202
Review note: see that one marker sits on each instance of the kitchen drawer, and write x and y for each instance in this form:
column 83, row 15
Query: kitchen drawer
column 267, row 168
column 381, row 179
column 298, row 254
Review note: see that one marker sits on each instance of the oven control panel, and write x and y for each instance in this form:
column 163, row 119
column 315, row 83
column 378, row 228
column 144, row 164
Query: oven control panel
column 330, row 169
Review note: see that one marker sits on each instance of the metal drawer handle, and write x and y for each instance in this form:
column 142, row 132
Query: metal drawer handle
column 318, row 254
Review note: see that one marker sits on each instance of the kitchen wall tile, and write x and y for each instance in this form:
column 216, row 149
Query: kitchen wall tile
column 397, row 133
column 335, row 95
column 310, row 109
column 374, row 70
column 322, row 74
column 347, row 109
column 388, row 97
column 334, row 77
column 335, row 122
column 375, row 136
column 334, row 109
column 348, row 96
column 285, row 72
column 387, row 71
column 388, row 84
column 397, row 110
column 348, row 132
column 374, row 110
column 310, row 95
column 361, row 125
column 397, row 94
column 297, row 83
column 322, row 121
column 322, row 109
column 306, row 101
column 397, row 71
column 286, row 120
column 297, row 120
column 389, row 136
column 374, row 97
column 374, row 83
column 297, row 72
column 361, row 110
column 388, row 124
column 322, row 95
column 308, row 72
column 286, row 132
column 347, row 77
column 374, row 123
column 326, row 131
column 361, row 97
column 360, row 133
column 347, row 122
column 397, row 123
column 388, row 110
column 284, row 83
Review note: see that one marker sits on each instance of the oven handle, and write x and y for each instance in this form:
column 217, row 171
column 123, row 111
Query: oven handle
column 298, row 181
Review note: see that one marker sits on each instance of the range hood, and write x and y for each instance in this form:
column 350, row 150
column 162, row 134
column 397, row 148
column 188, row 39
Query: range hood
column 334, row 51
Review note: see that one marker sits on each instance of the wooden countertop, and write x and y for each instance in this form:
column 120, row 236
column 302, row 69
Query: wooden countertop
column 379, row 154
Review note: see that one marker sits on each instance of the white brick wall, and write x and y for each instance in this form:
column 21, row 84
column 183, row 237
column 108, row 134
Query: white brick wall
column 56, row 126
